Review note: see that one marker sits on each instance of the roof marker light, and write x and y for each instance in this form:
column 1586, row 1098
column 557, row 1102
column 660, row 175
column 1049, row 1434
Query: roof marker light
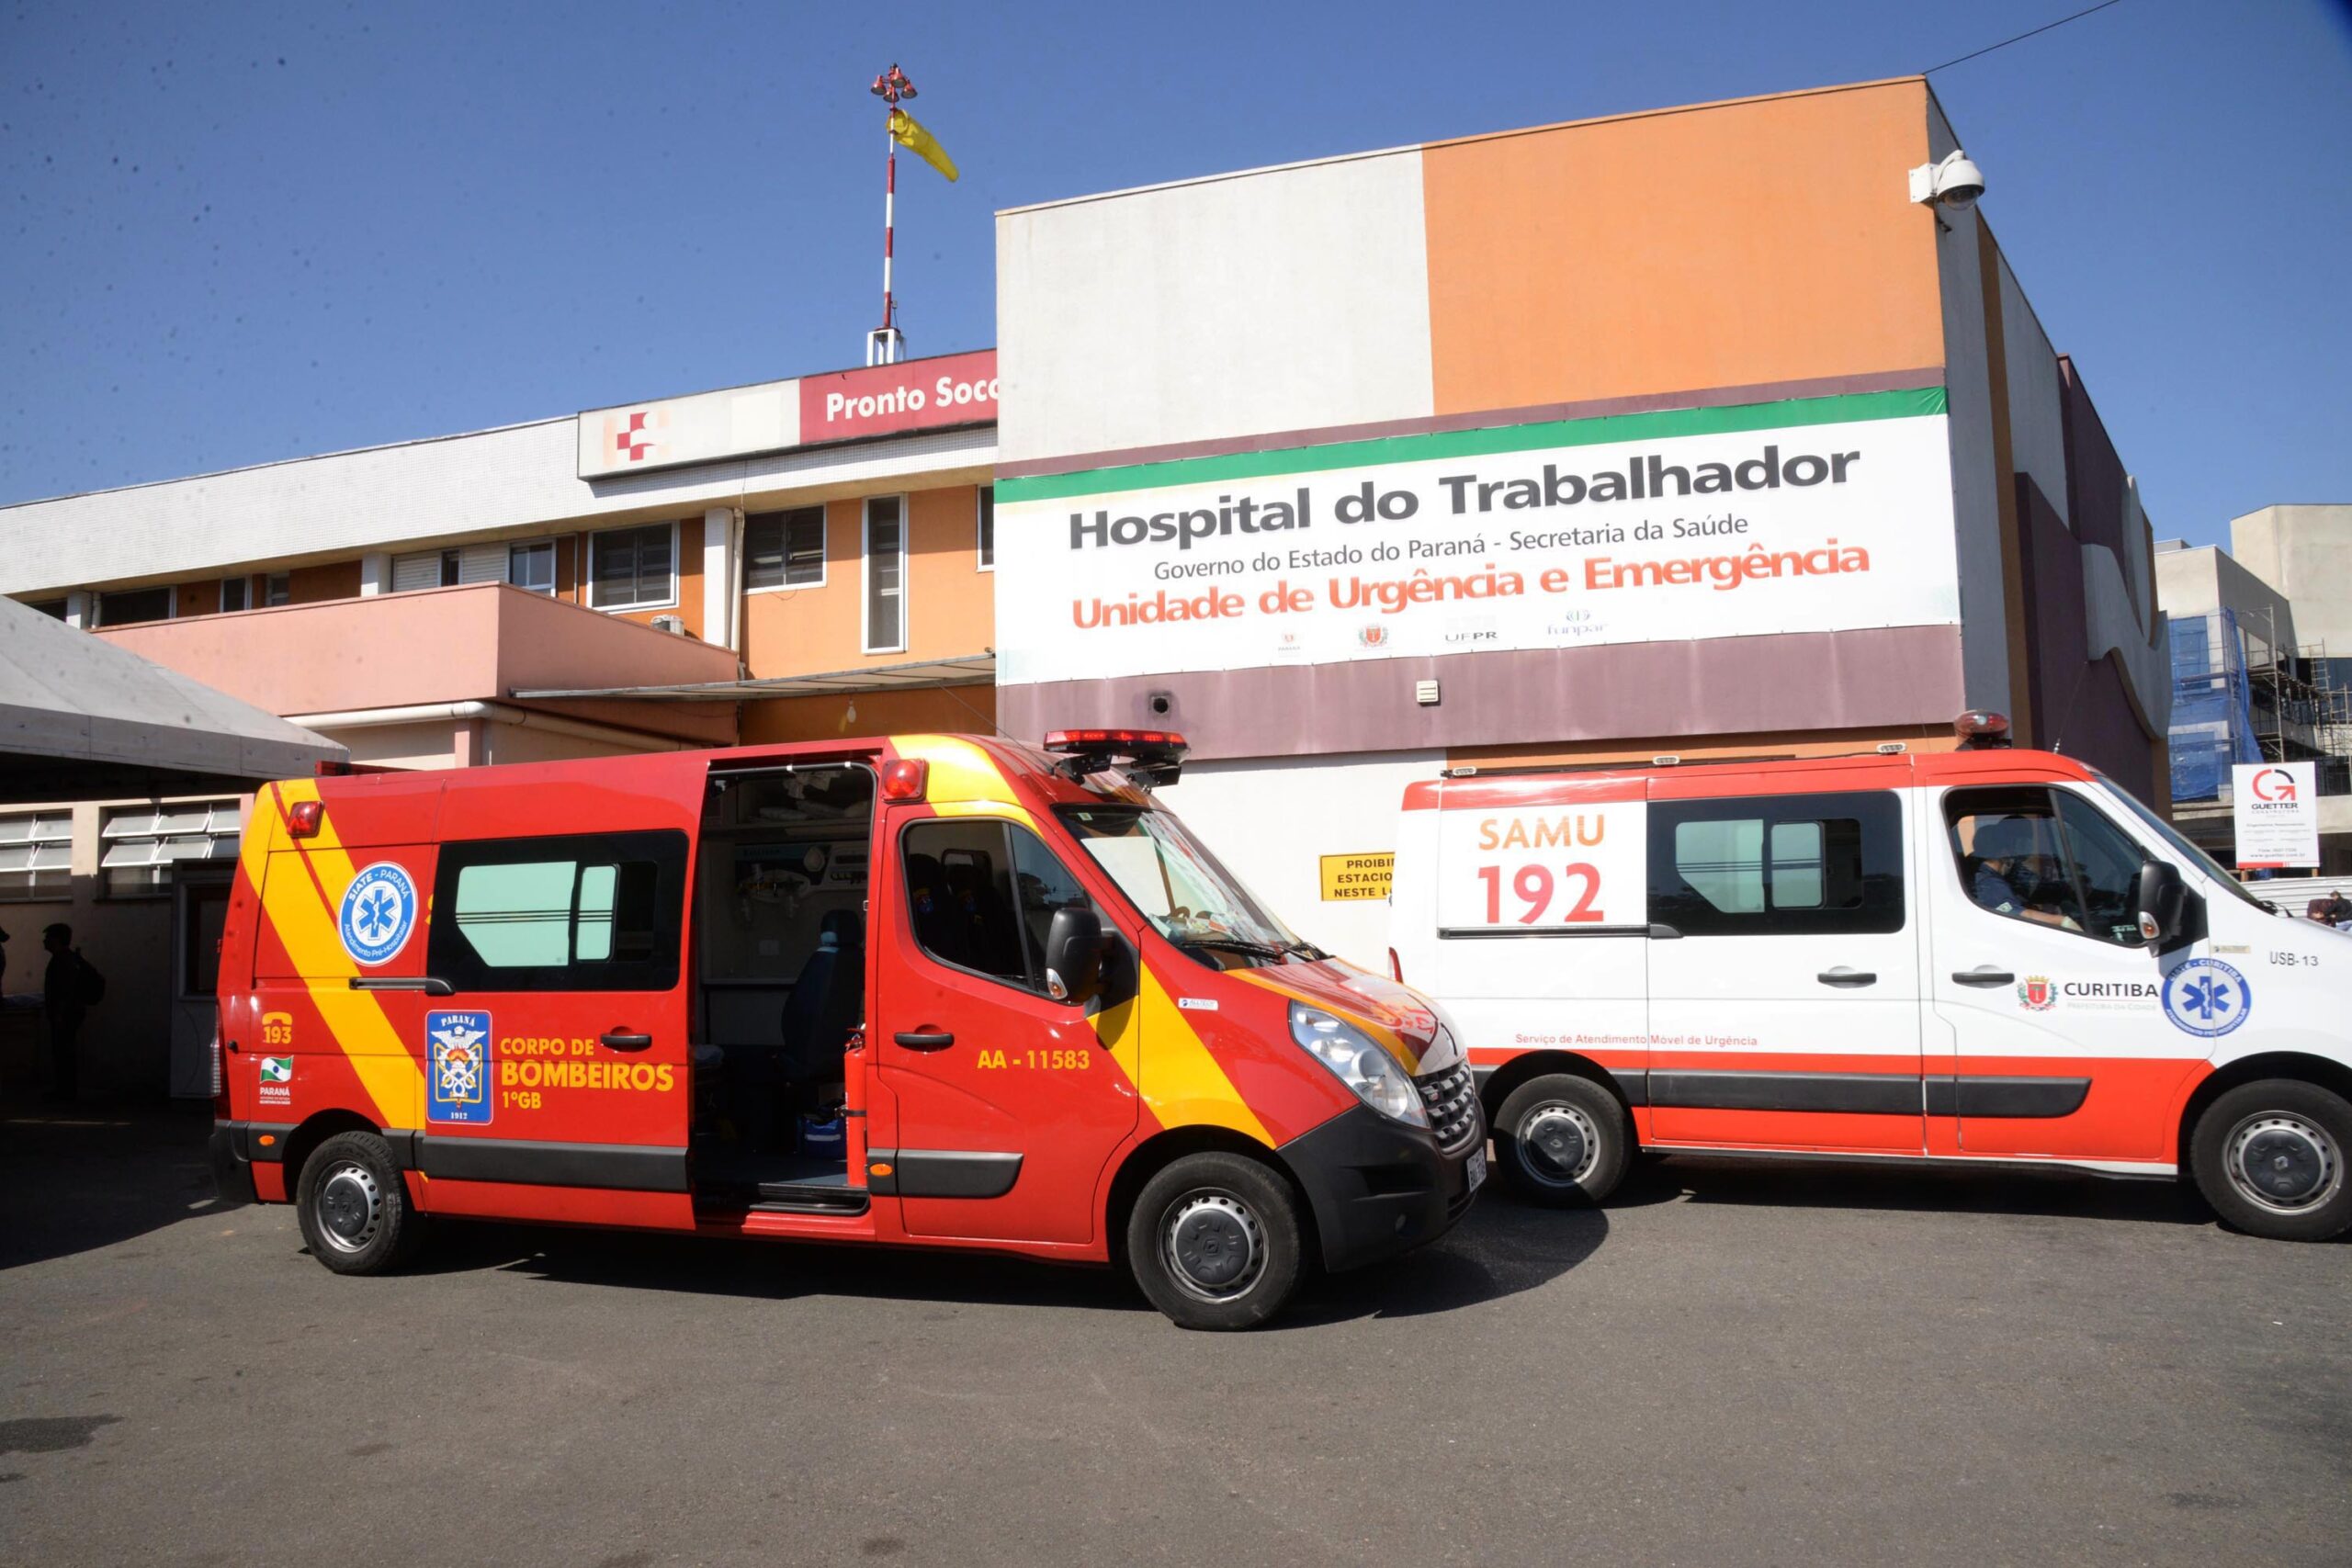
column 904, row 779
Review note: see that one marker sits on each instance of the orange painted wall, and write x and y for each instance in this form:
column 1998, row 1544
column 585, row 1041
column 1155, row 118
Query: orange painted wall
column 1727, row 245
column 950, row 603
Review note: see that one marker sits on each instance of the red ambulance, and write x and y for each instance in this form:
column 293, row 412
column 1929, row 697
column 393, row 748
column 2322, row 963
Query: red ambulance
column 927, row 990
column 1981, row 956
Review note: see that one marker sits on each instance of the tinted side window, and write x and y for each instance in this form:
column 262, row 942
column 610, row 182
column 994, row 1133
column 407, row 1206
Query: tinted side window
column 2107, row 871
column 981, row 896
column 1819, row 864
column 588, row 912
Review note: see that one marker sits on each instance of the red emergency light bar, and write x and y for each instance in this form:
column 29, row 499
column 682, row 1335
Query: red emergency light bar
column 1980, row 730
column 1158, row 754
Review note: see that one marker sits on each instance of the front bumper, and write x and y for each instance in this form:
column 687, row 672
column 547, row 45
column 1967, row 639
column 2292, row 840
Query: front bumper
column 232, row 1173
column 1379, row 1187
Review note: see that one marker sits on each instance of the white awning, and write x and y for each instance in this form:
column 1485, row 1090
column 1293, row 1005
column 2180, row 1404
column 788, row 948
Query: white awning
column 968, row 669
column 81, row 717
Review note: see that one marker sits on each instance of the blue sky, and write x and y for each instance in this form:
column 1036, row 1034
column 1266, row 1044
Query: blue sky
column 235, row 234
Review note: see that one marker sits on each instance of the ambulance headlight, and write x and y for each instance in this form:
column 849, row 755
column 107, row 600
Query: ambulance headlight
column 1359, row 1062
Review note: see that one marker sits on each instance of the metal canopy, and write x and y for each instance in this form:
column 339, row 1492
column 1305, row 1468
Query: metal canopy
column 80, row 717
column 969, row 669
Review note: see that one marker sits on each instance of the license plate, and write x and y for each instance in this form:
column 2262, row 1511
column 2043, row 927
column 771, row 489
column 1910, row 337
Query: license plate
column 1477, row 1169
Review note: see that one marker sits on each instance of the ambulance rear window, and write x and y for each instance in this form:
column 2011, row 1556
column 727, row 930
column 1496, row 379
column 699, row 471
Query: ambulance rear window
column 588, row 912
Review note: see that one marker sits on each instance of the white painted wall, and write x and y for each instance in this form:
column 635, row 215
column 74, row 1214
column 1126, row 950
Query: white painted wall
column 1184, row 332
column 1270, row 821
column 510, row 482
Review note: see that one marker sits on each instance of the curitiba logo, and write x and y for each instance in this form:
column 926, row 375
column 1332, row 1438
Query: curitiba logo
column 378, row 912
column 2207, row 997
column 2036, row 994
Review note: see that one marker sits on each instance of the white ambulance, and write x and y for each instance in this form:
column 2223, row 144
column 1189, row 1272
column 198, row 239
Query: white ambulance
column 1985, row 955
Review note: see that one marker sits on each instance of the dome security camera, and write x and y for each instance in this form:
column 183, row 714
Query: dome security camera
column 1955, row 183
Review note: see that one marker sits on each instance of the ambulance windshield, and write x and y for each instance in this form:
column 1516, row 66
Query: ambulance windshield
column 1177, row 886
column 2179, row 845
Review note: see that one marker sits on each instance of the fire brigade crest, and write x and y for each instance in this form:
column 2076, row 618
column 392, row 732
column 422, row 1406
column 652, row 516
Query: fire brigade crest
column 2036, row 994
column 456, row 1067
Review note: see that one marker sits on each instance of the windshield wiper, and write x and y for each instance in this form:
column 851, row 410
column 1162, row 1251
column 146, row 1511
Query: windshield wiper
column 1306, row 950
column 1230, row 944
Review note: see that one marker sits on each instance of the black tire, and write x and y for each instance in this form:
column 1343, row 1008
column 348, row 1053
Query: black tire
column 1562, row 1140
column 354, row 1207
column 2270, row 1158
column 1216, row 1242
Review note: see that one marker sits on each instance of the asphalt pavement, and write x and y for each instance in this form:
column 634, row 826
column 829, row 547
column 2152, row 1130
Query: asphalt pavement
column 1733, row 1365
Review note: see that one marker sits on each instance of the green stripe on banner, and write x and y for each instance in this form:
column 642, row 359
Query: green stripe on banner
column 1792, row 413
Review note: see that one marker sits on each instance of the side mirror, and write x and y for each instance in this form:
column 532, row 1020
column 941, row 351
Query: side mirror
column 2159, row 899
column 1073, row 953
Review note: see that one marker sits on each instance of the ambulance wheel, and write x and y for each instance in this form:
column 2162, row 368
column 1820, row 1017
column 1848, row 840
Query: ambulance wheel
column 354, row 1207
column 2270, row 1156
column 1562, row 1140
column 1214, row 1241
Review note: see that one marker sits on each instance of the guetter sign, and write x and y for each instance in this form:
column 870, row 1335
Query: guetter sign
column 1828, row 514
column 2274, row 808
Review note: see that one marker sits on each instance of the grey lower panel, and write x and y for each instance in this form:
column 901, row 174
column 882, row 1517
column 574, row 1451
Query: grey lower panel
column 2020, row 1100
column 635, row 1167
column 942, row 1173
column 1867, row 1094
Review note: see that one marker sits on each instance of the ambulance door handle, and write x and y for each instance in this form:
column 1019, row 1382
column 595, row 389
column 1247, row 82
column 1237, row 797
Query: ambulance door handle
column 924, row 1039
column 620, row 1040
column 1841, row 975
column 1984, row 975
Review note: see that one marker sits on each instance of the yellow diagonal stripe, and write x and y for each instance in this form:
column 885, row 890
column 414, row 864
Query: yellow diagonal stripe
column 305, row 918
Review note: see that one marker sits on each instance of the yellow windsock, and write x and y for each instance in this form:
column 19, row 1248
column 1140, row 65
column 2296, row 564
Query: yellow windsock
column 908, row 133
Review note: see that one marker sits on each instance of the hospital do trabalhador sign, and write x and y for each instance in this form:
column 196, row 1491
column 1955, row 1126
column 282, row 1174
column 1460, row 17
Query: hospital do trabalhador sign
column 1830, row 515
column 2276, row 810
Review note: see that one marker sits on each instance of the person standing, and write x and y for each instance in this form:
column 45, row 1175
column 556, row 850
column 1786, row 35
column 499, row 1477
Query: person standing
column 67, row 990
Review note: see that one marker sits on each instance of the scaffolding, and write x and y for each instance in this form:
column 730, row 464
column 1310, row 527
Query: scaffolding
column 2240, row 696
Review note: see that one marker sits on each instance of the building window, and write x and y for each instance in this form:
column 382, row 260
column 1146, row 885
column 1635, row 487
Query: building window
column 235, row 593
column 142, row 843
column 36, row 855
column 449, row 567
column 987, row 528
column 138, row 605
column 785, row 549
column 632, row 568
column 886, row 574
column 278, row 588
column 53, row 608
column 531, row 568
column 1769, row 865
